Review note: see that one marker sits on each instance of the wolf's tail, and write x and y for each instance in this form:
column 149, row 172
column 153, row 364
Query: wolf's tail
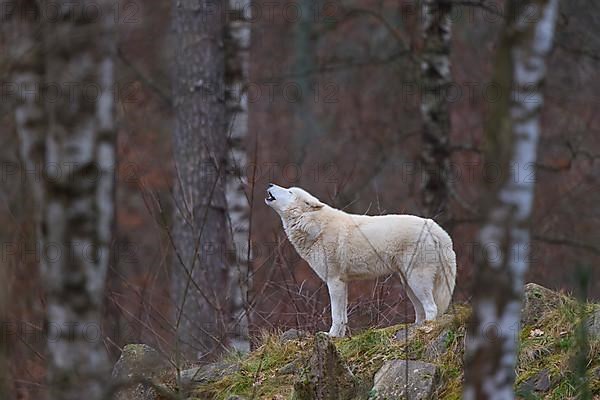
column 445, row 278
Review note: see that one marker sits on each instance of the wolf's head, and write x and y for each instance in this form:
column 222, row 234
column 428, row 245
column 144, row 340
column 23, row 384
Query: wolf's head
column 300, row 212
column 291, row 201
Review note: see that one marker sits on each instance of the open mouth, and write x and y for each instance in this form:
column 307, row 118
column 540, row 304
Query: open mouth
column 270, row 197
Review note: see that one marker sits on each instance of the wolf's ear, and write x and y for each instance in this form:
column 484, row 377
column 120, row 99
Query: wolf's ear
column 314, row 204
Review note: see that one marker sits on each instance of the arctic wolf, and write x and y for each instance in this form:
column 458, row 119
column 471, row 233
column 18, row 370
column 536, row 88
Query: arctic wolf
column 342, row 247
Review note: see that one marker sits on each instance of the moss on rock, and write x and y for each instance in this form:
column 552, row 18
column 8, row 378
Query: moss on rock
column 549, row 347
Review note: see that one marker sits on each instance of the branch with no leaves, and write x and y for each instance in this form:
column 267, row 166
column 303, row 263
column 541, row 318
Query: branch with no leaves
column 561, row 241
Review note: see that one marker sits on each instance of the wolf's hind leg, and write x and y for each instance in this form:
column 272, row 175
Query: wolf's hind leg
column 419, row 311
column 422, row 288
column 425, row 296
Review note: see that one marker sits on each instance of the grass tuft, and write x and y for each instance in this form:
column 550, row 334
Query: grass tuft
column 551, row 345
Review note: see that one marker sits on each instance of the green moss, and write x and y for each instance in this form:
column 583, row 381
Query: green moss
column 550, row 349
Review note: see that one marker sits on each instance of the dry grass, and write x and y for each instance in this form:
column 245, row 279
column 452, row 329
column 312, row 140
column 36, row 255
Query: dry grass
column 552, row 348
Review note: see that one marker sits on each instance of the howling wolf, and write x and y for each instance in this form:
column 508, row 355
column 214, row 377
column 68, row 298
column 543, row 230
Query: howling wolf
column 342, row 247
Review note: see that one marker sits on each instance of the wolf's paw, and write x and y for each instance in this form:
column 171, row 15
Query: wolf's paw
column 337, row 332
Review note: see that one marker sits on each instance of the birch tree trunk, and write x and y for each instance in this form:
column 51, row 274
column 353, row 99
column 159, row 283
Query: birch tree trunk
column 435, row 82
column 200, row 232
column 78, row 212
column 511, row 140
column 23, row 35
column 236, row 79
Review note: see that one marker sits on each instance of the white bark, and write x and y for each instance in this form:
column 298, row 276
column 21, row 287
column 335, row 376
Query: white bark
column 491, row 347
column 78, row 210
column 238, row 207
column 26, row 71
column 435, row 82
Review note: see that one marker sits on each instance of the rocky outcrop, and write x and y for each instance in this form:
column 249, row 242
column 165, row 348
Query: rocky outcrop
column 437, row 346
column 592, row 323
column 532, row 387
column 400, row 379
column 137, row 372
column 418, row 362
column 537, row 300
column 292, row 334
column 207, row 373
column 326, row 376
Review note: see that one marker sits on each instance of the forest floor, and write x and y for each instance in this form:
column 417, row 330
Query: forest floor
column 551, row 362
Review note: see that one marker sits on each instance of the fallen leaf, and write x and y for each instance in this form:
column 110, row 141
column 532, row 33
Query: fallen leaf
column 536, row 333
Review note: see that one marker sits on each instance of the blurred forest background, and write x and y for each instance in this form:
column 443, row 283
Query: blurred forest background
column 333, row 106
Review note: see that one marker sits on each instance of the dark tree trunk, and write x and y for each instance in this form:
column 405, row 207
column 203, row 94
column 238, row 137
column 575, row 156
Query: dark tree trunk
column 200, row 232
column 78, row 209
column 4, row 371
column 435, row 81
column 511, row 141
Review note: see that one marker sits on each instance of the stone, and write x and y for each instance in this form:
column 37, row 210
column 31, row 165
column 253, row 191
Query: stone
column 325, row 376
column 437, row 346
column 138, row 362
column 390, row 380
column 592, row 323
column 290, row 368
column 537, row 300
column 539, row 382
column 292, row 334
column 406, row 333
column 207, row 373
column 542, row 382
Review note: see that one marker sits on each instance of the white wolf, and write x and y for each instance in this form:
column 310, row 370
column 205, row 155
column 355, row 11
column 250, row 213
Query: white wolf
column 342, row 247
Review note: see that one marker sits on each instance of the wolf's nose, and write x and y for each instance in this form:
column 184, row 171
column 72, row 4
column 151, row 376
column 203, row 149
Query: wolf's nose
column 270, row 185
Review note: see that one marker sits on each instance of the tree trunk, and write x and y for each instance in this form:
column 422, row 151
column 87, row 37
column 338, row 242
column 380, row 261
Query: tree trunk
column 236, row 78
column 200, row 233
column 22, row 34
column 511, row 140
column 308, row 128
column 4, row 320
column 23, row 31
column 78, row 210
column 435, row 82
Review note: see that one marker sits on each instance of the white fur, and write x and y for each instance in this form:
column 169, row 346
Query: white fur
column 342, row 247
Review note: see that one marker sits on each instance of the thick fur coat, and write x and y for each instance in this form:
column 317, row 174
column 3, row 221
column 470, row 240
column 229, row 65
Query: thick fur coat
column 342, row 247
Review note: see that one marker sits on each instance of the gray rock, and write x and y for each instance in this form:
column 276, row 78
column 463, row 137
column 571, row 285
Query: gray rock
column 292, row 334
column 592, row 323
column 536, row 301
column 326, row 376
column 540, row 382
column 290, row 368
column 207, row 373
column 437, row 346
column 138, row 362
column 406, row 333
column 390, row 381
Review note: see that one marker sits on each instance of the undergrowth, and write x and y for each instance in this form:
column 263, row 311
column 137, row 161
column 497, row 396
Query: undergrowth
column 550, row 346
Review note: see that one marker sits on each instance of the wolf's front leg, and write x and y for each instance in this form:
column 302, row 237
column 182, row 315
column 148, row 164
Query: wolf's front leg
column 338, row 294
